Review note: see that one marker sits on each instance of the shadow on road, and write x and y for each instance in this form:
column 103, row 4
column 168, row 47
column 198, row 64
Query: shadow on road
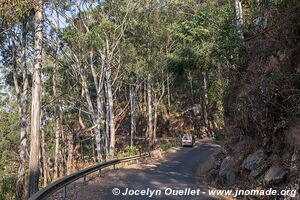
column 176, row 171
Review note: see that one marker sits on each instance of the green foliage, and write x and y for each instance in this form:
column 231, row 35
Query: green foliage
column 14, row 11
column 216, row 94
column 9, row 138
column 128, row 151
column 208, row 41
column 168, row 145
column 7, row 186
column 209, row 37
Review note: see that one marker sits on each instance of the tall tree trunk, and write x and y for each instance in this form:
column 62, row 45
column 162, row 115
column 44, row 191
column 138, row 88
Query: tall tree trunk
column 43, row 149
column 149, row 110
column 169, row 102
column 99, row 107
column 168, row 91
column 140, row 96
column 94, row 115
column 58, row 125
column 205, row 99
column 191, row 86
column 70, row 149
column 132, row 93
column 62, row 152
column 57, row 143
column 145, row 98
column 109, row 99
column 239, row 17
column 63, row 156
column 36, row 102
column 23, row 111
column 156, row 102
column 219, row 71
column 106, row 137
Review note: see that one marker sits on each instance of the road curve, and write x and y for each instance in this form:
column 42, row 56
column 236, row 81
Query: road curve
column 176, row 172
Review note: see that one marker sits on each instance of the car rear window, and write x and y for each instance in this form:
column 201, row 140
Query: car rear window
column 187, row 137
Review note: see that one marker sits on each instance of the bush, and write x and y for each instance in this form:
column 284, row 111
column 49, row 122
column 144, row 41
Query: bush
column 7, row 187
column 168, row 145
column 129, row 151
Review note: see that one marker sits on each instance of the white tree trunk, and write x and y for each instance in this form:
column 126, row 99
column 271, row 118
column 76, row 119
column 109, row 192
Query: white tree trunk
column 110, row 113
column 107, row 129
column 22, row 98
column 43, row 153
column 156, row 102
column 94, row 115
column 132, row 93
column 145, row 85
column 149, row 109
column 36, row 102
column 239, row 17
column 99, row 107
column 205, row 100
column 169, row 102
column 58, row 125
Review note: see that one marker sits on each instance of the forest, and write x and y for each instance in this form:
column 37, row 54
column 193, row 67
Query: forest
column 87, row 81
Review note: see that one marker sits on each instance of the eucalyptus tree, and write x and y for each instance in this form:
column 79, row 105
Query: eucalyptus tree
column 113, row 29
column 58, row 108
column 239, row 16
column 209, row 46
column 52, row 73
column 23, row 102
column 15, row 18
column 101, row 28
column 75, row 36
column 133, row 108
column 143, row 34
column 36, row 101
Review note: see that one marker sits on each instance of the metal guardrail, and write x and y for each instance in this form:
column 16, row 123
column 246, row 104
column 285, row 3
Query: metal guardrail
column 65, row 181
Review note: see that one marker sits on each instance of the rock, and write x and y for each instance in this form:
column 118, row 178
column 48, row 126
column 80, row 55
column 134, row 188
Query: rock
column 286, row 156
column 254, row 160
column 218, row 159
column 230, row 178
column 225, row 166
column 274, row 157
column 294, row 157
column 255, row 173
column 227, row 171
column 275, row 174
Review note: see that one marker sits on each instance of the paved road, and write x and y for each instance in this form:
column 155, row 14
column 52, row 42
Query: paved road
column 177, row 171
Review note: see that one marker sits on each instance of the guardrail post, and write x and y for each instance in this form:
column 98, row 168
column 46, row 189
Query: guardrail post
column 84, row 179
column 65, row 192
column 114, row 166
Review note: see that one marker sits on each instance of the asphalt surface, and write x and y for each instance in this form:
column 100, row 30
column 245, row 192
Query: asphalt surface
column 172, row 174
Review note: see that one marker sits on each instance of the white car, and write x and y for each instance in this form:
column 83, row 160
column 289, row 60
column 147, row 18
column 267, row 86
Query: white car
column 187, row 140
